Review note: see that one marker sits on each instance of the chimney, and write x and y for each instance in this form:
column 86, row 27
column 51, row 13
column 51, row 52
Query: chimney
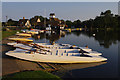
column 23, row 17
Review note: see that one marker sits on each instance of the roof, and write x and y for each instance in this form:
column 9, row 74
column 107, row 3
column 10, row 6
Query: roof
column 52, row 14
column 22, row 21
column 54, row 19
column 54, row 23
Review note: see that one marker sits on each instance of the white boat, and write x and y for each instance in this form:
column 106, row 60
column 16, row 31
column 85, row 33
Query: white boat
column 59, row 47
column 50, row 57
column 67, row 46
column 33, row 31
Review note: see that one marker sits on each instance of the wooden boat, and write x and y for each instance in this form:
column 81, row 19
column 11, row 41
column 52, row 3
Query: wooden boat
column 50, row 57
column 20, row 39
column 24, row 34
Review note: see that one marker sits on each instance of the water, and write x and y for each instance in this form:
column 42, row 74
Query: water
column 105, row 42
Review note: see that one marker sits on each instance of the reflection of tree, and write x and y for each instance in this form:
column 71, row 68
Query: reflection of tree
column 77, row 33
column 106, row 38
column 51, row 36
column 54, row 37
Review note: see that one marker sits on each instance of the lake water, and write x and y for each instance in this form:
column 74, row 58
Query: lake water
column 105, row 42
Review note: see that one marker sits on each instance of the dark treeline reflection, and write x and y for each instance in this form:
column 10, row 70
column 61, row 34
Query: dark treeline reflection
column 104, row 37
column 52, row 36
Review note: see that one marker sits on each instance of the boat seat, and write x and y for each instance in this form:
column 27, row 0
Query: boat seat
column 64, row 54
column 53, row 51
column 59, row 53
column 70, row 54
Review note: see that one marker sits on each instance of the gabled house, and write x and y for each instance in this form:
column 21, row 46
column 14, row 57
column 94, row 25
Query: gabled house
column 24, row 23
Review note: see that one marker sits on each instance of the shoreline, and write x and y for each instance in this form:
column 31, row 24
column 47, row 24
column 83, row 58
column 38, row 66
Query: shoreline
column 11, row 65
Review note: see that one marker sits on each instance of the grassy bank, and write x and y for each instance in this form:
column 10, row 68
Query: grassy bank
column 8, row 33
column 32, row 75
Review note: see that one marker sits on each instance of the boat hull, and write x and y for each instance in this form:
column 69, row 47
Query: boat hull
column 20, row 39
column 55, row 58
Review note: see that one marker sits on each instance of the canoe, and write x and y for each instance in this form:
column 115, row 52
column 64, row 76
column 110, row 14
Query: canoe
column 55, row 58
column 20, row 39
column 23, row 34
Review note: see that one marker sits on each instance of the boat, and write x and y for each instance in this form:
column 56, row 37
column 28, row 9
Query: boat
column 54, row 57
column 24, row 34
column 32, row 31
column 59, row 47
column 20, row 39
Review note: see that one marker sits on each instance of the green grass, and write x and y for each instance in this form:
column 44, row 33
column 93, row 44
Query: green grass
column 32, row 75
column 8, row 33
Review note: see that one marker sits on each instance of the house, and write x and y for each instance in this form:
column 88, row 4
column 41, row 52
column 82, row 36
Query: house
column 40, row 25
column 55, row 23
column 38, row 20
column 24, row 23
column 52, row 15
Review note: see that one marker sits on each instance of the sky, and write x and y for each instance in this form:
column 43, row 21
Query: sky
column 63, row 10
column 59, row 0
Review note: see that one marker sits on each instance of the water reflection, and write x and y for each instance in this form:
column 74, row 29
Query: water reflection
column 81, row 66
column 104, row 37
column 52, row 36
column 104, row 41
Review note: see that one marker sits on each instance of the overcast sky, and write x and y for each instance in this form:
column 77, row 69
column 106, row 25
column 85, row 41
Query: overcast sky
column 63, row 10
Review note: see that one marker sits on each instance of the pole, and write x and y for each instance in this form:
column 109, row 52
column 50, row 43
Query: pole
column 45, row 24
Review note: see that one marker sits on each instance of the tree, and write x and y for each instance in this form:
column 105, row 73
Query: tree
column 12, row 23
column 69, row 23
column 77, row 23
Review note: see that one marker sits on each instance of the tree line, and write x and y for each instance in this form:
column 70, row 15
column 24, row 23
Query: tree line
column 105, row 20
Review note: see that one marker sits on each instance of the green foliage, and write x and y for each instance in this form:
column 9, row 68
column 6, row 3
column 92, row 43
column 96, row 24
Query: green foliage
column 11, row 22
column 77, row 23
column 8, row 33
column 105, row 20
column 32, row 75
column 69, row 23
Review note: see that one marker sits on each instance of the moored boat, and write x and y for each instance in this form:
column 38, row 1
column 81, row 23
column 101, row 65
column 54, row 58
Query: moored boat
column 20, row 39
column 50, row 57
column 59, row 47
column 24, row 34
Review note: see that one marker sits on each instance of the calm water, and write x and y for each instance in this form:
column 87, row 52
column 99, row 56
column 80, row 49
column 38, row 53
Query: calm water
column 105, row 42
